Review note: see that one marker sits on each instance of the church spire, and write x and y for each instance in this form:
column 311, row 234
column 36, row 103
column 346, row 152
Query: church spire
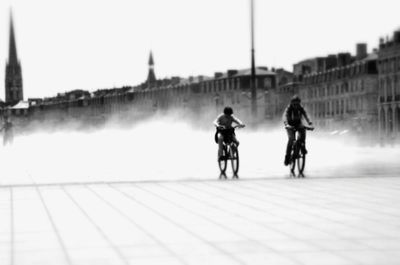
column 12, row 52
column 13, row 82
column 151, row 77
column 151, row 61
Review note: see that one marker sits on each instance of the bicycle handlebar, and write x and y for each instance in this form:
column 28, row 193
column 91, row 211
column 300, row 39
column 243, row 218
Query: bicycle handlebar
column 309, row 128
column 234, row 127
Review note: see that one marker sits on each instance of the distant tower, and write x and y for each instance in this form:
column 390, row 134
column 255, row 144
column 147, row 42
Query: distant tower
column 151, row 78
column 14, row 92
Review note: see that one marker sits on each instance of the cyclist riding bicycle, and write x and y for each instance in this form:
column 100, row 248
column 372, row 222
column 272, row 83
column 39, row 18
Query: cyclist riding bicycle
column 224, row 128
column 293, row 120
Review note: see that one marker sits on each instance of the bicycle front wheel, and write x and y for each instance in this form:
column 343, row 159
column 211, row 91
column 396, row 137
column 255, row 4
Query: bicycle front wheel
column 222, row 162
column 234, row 155
column 294, row 156
column 301, row 162
column 292, row 165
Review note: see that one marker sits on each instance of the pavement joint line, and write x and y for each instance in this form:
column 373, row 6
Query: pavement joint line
column 257, row 223
column 263, row 211
column 268, row 227
column 261, row 189
column 274, row 203
column 313, row 205
column 222, row 251
column 224, row 210
column 284, row 233
column 358, row 197
column 349, row 189
column 252, row 195
column 12, row 242
column 209, row 220
column 158, row 242
column 242, row 217
column 55, row 229
column 98, row 228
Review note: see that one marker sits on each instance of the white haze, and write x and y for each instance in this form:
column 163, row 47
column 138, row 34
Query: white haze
column 169, row 150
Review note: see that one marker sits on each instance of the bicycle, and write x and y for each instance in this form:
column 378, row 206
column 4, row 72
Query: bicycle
column 229, row 152
column 297, row 153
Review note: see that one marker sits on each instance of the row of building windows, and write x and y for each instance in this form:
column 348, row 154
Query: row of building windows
column 231, row 84
column 220, row 85
column 335, row 74
column 389, row 86
column 389, row 65
column 389, row 120
column 232, row 98
column 336, row 107
column 333, row 90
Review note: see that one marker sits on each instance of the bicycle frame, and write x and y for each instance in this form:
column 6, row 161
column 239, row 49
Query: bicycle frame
column 297, row 154
column 230, row 152
column 228, row 147
column 297, row 144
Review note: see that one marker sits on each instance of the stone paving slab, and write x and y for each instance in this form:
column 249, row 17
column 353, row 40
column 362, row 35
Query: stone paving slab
column 260, row 221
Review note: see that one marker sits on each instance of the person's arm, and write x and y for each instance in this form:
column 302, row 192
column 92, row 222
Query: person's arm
column 286, row 116
column 306, row 116
column 237, row 121
column 216, row 122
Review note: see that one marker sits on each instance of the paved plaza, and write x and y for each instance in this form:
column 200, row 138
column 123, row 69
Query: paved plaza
column 258, row 221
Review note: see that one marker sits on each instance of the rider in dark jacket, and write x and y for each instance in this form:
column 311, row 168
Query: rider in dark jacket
column 293, row 120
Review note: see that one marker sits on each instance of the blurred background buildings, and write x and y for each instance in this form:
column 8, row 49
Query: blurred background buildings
column 358, row 93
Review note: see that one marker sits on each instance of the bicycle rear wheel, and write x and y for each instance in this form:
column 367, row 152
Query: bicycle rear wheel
column 222, row 162
column 234, row 156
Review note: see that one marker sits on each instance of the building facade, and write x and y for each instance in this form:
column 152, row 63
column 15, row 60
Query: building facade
column 344, row 97
column 389, row 87
column 201, row 97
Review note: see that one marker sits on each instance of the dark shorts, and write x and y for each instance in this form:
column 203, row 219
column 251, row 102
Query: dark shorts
column 228, row 135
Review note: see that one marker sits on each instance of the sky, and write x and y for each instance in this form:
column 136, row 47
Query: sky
column 93, row 44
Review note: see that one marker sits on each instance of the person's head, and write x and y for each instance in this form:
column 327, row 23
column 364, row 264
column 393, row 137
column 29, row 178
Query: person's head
column 228, row 111
column 295, row 101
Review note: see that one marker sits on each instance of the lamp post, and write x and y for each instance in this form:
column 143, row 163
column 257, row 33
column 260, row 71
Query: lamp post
column 253, row 65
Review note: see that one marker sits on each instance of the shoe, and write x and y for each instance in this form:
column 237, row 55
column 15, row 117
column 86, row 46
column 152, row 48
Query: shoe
column 287, row 160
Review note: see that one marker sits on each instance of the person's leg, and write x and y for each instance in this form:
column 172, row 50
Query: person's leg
column 235, row 140
column 291, row 134
column 220, row 144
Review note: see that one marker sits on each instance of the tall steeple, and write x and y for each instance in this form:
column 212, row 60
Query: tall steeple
column 151, row 77
column 13, row 82
column 151, row 61
column 12, row 52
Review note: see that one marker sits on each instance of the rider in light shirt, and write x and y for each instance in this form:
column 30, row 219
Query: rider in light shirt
column 224, row 128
